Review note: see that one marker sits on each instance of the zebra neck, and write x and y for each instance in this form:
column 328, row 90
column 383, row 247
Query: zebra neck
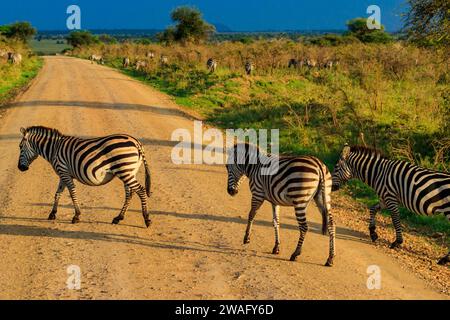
column 369, row 169
column 46, row 147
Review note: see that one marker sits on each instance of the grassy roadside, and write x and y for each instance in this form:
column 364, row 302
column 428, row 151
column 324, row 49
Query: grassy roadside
column 291, row 103
column 14, row 78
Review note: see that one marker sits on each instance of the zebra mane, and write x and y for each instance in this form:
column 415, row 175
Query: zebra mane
column 369, row 151
column 44, row 130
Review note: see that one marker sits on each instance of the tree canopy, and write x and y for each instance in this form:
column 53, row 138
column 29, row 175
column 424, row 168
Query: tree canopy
column 81, row 38
column 428, row 21
column 189, row 26
column 21, row 31
column 358, row 28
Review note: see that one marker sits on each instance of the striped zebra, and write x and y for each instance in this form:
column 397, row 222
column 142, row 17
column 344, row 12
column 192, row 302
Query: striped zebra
column 140, row 65
column 126, row 62
column 93, row 162
column 249, row 67
column 164, row 60
column 14, row 58
column 295, row 182
column 211, row 65
column 295, row 63
column 96, row 58
column 396, row 182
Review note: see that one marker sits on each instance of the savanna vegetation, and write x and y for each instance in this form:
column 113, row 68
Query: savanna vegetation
column 380, row 91
column 13, row 77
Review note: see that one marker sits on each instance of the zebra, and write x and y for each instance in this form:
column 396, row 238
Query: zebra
column 94, row 162
column 14, row 58
column 249, row 67
column 140, row 64
column 396, row 183
column 295, row 63
column 311, row 63
column 295, row 183
column 328, row 64
column 96, row 58
column 126, row 62
column 164, row 60
column 211, row 65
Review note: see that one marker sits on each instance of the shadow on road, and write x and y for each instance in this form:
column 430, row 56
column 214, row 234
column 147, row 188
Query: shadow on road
column 102, row 105
column 341, row 232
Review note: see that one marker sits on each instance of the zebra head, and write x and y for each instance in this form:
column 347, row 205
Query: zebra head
column 237, row 157
column 27, row 153
column 342, row 172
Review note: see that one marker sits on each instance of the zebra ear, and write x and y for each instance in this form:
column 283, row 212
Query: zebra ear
column 345, row 151
column 23, row 131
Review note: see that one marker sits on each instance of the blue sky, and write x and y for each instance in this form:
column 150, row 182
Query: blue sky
column 239, row 15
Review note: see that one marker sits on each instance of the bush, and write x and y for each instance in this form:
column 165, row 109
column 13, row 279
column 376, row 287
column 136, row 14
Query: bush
column 81, row 38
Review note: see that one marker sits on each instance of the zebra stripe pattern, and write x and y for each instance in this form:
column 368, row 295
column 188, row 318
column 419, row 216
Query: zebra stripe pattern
column 211, row 65
column 93, row 162
column 295, row 183
column 249, row 67
column 396, row 182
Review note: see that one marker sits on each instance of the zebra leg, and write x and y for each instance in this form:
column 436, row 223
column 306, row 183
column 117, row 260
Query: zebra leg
column 256, row 204
column 68, row 181
column 128, row 196
column 276, row 226
column 331, row 232
column 372, row 225
column 395, row 215
column 444, row 260
column 300, row 213
column 61, row 187
column 143, row 196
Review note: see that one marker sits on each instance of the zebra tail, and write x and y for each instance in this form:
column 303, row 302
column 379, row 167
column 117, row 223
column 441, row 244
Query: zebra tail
column 324, row 211
column 147, row 179
column 148, row 182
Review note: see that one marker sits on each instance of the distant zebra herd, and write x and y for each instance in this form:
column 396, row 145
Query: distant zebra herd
column 294, row 182
column 212, row 64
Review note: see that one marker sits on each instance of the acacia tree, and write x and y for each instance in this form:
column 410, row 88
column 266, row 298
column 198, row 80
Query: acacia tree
column 189, row 26
column 358, row 27
column 428, row 21
column 81, row 38
column 21, row 31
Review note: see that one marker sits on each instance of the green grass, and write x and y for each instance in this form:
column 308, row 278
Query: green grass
column 13, row 78
column 301, row 106
column 47, row 47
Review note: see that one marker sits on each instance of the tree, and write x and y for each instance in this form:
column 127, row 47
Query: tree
column 358, row 28
column 21, row 31
column 189, row 26
column 81, row 38
column 106, row 38
column 428, row 21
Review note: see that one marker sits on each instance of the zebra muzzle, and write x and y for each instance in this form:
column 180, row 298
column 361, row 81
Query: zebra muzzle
column 232, row 192
column 22, row 167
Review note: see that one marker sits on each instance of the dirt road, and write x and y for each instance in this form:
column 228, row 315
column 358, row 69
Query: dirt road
column 194, row 247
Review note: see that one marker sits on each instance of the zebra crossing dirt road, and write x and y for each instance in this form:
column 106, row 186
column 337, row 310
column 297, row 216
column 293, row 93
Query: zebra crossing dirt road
column 193, row 250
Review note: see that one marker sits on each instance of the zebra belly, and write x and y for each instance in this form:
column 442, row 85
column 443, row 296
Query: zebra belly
column 102, row 177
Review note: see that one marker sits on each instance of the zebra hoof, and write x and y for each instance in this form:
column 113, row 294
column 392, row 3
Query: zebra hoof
column 374, row 236
column 246, row 240
column 443, row 261
column 395, row 245
column 148, row 223
column 75, row 220
column 293, row 257
column 329, row 262
column 116, row 220
column 52, row 216
column 276, row 250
